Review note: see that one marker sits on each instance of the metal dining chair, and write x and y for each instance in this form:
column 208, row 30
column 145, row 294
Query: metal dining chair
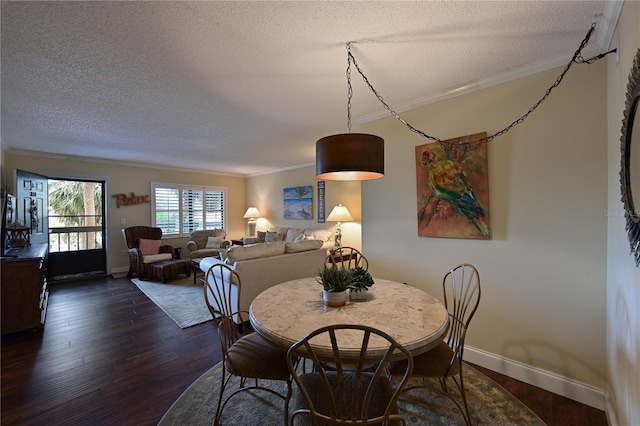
column 347, row 258
column 245, row 355
column 352, row 391
column 461, row 287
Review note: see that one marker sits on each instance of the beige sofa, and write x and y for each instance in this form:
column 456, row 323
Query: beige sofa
column 262, row 266
column 290, row 234
column 199, row 239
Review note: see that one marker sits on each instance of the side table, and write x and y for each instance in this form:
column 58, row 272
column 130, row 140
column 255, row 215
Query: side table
column 195, row 268
column 237, row 242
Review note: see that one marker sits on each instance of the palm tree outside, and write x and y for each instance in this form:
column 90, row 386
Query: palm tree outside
column 75, row 205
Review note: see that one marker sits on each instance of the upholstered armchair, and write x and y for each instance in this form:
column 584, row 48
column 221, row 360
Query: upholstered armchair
column 144, row 246
column 207, row 243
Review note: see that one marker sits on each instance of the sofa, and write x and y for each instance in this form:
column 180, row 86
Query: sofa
column 261, row 266
column 207, row 243
column 291, row 234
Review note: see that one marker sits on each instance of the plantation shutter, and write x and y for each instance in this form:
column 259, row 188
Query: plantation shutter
column 167, row 210
column 192, row 210
column 215, row 209
column 179, row 209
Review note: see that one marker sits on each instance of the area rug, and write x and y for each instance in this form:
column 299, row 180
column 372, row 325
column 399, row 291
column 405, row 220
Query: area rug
column 490, row 404
column 182, row 300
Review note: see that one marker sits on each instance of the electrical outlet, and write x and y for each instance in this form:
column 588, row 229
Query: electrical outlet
column 124, row 252
column 123, row 221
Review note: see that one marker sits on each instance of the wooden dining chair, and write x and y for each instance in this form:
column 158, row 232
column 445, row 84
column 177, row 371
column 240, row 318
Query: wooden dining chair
column 347, row 258
column 244, row 355
column 461, row 287
column 352, row 391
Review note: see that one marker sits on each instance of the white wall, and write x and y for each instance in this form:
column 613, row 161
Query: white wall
column 544, row 271
column 623, row 277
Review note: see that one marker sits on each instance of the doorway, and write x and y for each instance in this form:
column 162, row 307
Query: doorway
column 76, row 228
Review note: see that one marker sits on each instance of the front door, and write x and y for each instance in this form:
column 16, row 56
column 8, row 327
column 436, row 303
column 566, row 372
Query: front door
column 76, row 228
column 68, row 216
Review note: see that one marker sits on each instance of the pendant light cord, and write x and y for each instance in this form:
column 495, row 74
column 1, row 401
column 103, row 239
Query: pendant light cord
column 577, row 58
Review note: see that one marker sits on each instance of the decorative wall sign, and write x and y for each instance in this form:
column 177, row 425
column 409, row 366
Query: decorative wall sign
column 321, row 202
column 298, row 202
column 124, row 200
column 453, row 188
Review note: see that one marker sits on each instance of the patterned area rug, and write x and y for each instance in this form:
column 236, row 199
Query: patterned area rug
column 182, row 300
column 490, row 405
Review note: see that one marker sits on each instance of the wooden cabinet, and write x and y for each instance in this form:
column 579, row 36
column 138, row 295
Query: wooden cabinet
column 24, row 289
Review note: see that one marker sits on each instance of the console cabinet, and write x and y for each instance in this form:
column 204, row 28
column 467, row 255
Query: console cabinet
column 24, row 289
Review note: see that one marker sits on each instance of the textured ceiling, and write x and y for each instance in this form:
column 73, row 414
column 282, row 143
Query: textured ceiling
column 246, row 87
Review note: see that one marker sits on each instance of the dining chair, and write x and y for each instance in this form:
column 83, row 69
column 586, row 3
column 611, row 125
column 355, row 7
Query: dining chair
column 461, row 287
column 350, row 392
column 347, row 258
column 246, row 355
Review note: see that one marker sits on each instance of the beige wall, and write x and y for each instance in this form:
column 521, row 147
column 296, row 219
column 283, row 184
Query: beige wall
column 544, row 271
column 265, row 192
column 126, row 179
column 623, row 277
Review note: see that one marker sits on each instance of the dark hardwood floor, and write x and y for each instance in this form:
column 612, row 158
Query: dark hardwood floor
column 108, row 355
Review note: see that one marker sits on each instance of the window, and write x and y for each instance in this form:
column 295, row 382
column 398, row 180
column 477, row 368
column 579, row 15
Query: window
column 180, row 209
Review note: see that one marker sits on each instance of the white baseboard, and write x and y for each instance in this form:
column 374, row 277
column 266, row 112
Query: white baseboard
column 551, row 382
column 609, row 411
column 119, row 272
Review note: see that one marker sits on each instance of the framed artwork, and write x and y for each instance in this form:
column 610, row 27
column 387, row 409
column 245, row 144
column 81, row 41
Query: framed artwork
column 321, row 207
column 298, row 202
column 453, row 188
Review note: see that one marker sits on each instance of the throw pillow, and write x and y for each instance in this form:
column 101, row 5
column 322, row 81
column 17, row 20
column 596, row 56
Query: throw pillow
column 260, row 236
column 213, row 242
column 300, row 237
column 149, row 247
column 272, row 236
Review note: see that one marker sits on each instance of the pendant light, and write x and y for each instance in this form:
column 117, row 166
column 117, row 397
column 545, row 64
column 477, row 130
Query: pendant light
column 350, row 156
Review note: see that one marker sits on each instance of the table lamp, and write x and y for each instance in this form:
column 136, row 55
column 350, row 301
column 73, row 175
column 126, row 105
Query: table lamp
column 252, row 214
column 339, row 214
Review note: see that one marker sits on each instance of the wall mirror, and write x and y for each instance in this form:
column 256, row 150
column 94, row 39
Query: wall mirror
column 630, row 163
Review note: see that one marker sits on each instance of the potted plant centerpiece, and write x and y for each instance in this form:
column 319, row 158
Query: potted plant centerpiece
column 335, row 282
column 361, row 280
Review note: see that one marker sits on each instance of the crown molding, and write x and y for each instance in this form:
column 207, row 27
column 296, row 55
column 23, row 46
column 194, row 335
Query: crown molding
column 605, row 30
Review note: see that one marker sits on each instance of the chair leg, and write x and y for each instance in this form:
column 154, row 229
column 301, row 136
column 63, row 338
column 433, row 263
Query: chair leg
column 223, row 384
column 464, row 400
column 286, row 401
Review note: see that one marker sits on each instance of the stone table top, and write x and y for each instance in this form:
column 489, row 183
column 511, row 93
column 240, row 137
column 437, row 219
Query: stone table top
column 287, row 312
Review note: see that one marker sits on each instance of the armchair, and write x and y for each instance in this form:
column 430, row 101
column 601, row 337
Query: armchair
column 207, row 243
column 145, row 247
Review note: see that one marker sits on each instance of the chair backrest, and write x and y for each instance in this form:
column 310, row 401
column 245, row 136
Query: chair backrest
column 133, row 234
column 350, row 391
column 222, row 290
column 200, row 236
column 221, row 294
column 461, row 287
column 347, row 258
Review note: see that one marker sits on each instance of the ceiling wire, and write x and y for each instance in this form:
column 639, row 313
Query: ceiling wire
column 454, row 146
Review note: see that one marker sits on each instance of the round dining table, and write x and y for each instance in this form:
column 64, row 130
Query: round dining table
column 287, row 312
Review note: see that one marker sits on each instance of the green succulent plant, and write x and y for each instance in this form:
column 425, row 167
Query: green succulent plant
column 334, row 279
column 360, row 278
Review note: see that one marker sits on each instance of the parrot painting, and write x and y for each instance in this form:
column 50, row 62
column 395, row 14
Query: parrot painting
column 449, row 184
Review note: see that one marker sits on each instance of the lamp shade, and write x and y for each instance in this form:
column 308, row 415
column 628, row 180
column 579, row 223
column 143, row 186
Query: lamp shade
column 350, row 156
column 252, row 213
column 340, row 214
